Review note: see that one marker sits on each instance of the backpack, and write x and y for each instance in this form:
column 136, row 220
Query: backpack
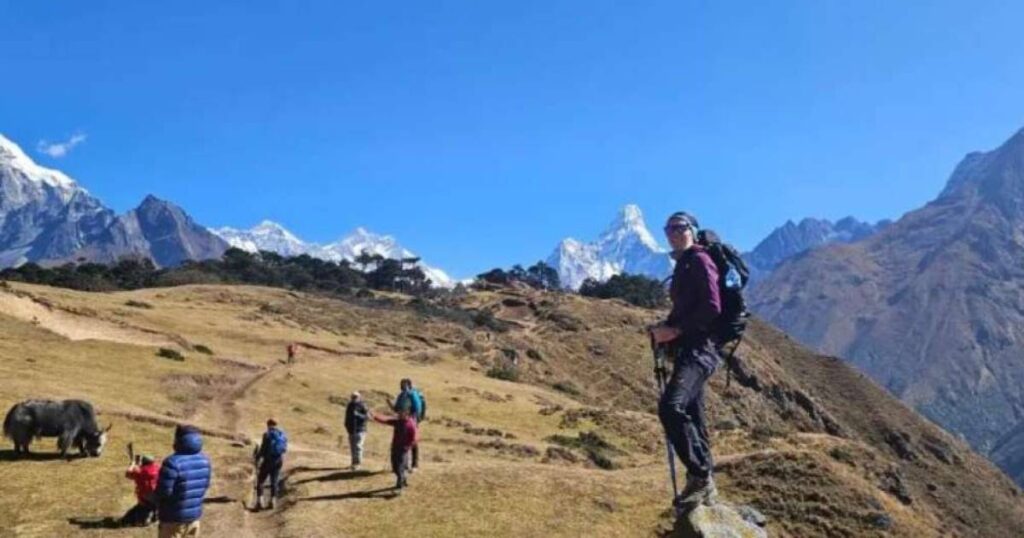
column 277, row 443
column 733, row 275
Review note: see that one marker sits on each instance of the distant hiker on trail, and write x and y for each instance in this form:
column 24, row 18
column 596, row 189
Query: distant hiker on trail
column 180, row 490
column 356, row 415
column 695, row 305
column 403, row 440
column 145, row 471
column 293, row 350
column 269, row 459
column 413, row 400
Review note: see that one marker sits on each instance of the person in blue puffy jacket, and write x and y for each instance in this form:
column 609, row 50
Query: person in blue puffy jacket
column 184, row 478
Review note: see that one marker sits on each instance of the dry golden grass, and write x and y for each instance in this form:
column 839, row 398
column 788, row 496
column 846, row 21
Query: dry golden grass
column 485, row 470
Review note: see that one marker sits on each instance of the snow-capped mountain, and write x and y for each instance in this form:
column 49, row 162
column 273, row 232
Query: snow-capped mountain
column 46, row 217
column 626, row 246
column 271, row 236
column 267, row 235
column 44, row 214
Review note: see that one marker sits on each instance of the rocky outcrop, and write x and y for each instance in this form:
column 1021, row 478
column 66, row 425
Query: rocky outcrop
column 721, row 520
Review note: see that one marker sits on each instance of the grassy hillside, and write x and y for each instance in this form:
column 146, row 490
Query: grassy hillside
column 571, row 448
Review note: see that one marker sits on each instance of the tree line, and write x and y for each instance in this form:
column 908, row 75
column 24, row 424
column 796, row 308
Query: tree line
column 306, row 273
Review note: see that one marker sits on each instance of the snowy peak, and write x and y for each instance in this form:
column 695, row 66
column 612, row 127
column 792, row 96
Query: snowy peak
column 267, row 235
column 628, row 231
column 13, row 158
column 626, row 246
column 273, row 237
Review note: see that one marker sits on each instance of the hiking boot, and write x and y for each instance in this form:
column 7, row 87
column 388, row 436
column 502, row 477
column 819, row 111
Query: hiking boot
column 697, row 491
column 270, row 504
column 258, row 506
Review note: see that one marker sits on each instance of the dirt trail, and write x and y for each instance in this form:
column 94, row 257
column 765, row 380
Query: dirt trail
column 235, row 518
column 76, row 326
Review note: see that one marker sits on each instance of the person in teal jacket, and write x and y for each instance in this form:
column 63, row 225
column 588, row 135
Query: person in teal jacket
column 412, row 399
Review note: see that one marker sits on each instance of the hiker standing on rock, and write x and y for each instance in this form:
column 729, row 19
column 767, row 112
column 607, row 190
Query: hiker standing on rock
column 403, row 440
column 184, row 479
column 270, row 459
column 356, row 415
column 695, row 305
column 412, row 399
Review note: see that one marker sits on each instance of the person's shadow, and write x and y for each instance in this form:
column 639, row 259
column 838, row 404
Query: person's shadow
column 382, row 493
column 88, row 523
column 333, row 477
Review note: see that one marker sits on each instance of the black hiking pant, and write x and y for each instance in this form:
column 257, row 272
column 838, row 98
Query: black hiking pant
column 400, row 465
column 269, row 469
column 681, row 408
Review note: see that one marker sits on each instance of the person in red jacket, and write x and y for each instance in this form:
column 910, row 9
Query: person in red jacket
column 405, row 436
column 144, row 471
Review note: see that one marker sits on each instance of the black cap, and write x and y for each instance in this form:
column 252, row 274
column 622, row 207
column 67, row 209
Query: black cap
column 685, row 217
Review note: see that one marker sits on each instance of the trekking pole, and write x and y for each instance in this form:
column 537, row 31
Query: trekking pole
column 661, row 376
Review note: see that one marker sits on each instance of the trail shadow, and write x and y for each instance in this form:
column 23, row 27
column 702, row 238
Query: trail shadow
column 382, row 493
column 96, row 522
column 12, row 456
column 304, row 469
column 333, row 477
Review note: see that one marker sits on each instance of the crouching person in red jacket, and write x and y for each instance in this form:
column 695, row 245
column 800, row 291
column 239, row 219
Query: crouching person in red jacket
column 405, row 436
column 144, row 471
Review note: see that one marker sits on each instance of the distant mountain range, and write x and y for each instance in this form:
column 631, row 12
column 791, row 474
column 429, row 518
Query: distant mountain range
column 271, row 236
column 792, row 239
column 932, row 306
column 48, row 218
column 627, row 246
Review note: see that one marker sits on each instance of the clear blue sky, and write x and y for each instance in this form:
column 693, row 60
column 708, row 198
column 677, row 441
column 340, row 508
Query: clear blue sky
column 481, row 133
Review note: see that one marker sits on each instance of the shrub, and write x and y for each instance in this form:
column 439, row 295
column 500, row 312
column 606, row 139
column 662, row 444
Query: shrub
column 567, row 387
column 202, row 349
column 138, row 304
column 171, row 354
column 506, row 373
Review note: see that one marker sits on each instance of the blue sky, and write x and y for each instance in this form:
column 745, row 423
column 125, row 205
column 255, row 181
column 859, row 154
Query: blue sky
column 481, row 133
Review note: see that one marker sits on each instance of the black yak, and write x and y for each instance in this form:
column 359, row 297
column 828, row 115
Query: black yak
column 72, row 422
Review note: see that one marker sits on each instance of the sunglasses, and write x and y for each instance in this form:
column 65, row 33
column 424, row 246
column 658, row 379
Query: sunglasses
column 676, row 229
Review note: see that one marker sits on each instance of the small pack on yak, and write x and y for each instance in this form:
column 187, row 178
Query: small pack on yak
column 733, row 275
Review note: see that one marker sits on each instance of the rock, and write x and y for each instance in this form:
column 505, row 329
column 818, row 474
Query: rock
column 881, row 521
column 719, row 521
column 751, row 515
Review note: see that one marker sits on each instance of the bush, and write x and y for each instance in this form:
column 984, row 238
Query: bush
column 172, row 354
column 202, row 349
column 138, row 304
column 597, row 449
column 567, row 387
column 505, row 373
column 635, row 289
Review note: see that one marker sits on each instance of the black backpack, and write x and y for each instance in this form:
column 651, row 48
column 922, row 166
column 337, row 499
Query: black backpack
column 733, row 275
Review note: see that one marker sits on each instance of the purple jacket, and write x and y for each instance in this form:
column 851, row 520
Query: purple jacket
column 695, row 298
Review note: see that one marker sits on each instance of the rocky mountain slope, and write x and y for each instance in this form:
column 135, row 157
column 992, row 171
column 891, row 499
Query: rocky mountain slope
column 271, row 236
column 792, row 239
column 626, row 246
column 571, row 448
column 932, row 307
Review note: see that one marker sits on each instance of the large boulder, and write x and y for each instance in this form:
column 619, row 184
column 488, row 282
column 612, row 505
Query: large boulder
column 722, row 520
